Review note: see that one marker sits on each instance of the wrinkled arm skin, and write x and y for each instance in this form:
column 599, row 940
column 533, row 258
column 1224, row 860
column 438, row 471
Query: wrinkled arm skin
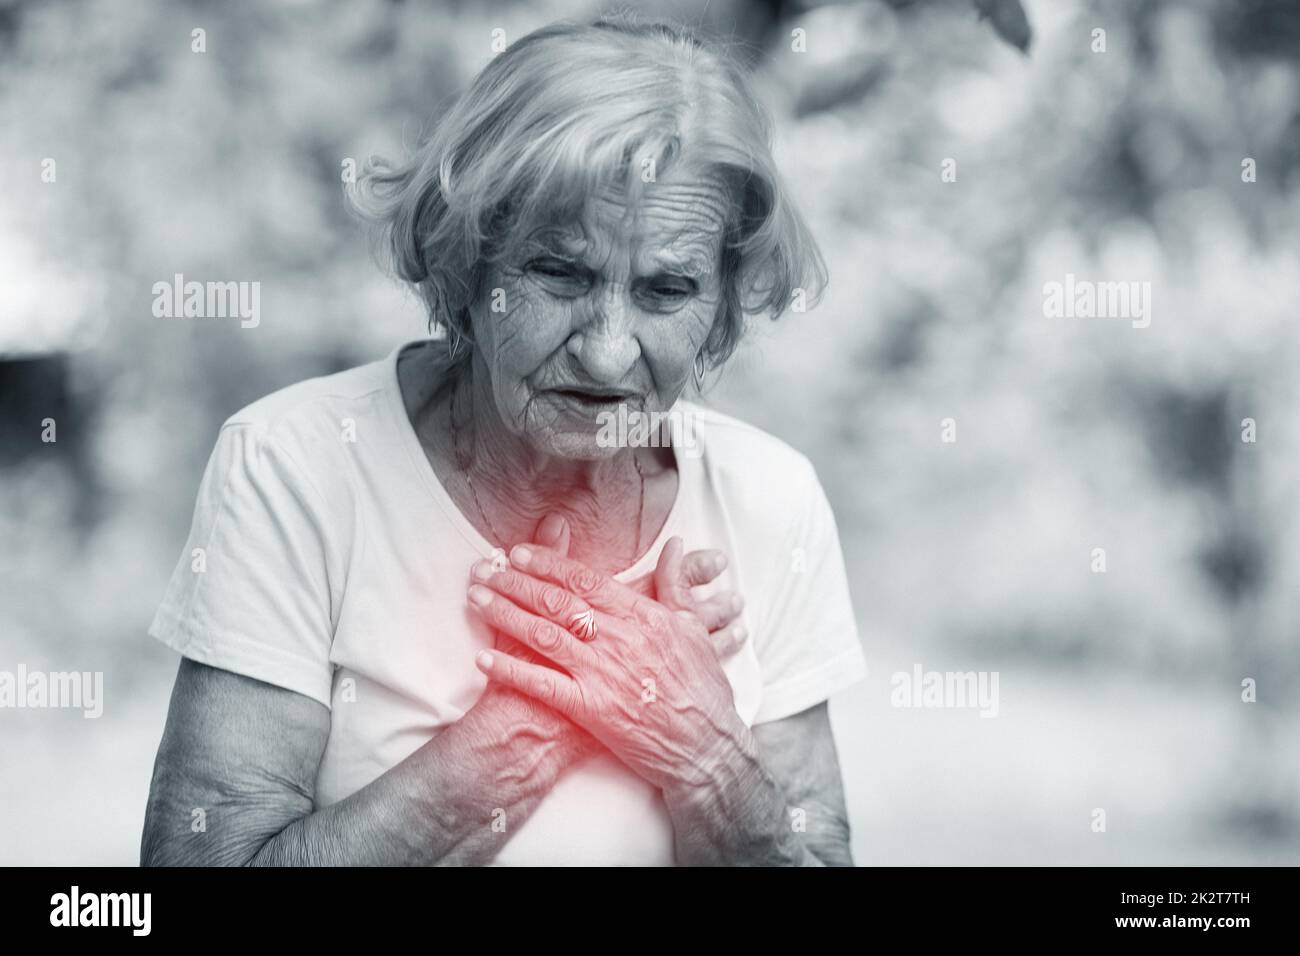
column 247, row 753
column 748, row 814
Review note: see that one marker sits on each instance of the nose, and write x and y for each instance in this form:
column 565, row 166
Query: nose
column 606, row 345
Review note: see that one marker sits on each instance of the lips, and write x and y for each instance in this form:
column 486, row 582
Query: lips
column 592, row 398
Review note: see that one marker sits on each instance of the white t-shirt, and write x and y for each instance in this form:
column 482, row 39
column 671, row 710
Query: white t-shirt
column 326, row 557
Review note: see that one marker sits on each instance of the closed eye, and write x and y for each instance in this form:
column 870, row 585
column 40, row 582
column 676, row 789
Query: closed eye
column 669, row 289
column 562, row 278
column 555, row 268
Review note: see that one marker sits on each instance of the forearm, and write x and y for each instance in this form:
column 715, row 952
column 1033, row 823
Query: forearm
column 741, row 815
column 456, row 800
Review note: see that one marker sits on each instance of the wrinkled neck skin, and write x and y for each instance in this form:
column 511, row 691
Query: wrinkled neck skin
column 516, row 485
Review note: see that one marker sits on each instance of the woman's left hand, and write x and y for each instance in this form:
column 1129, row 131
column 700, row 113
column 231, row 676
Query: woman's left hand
column 648, row 685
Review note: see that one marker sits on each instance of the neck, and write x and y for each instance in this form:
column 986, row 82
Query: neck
column 515, row 484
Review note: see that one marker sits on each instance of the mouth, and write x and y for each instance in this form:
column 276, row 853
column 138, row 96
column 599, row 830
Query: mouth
column 592, row 399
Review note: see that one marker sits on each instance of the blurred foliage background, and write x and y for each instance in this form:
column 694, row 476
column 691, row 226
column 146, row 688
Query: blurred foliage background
column 1119, row 691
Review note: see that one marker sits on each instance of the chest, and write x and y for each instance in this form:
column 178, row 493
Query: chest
column 403, row 657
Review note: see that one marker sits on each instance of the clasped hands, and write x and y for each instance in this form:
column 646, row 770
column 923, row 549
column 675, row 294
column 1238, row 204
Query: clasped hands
column 649, row 684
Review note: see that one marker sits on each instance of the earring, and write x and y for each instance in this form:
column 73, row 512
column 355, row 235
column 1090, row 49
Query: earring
column 699, row 369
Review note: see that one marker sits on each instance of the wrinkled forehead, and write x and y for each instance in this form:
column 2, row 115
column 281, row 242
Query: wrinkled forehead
column 677, row 222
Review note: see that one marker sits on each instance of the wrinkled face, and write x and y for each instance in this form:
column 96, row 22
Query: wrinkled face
column 607, row 312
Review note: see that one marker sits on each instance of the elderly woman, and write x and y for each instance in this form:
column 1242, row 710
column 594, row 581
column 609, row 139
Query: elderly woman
column 430, row 612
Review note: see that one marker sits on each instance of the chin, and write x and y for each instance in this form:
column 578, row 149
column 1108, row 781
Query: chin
column 576, row 446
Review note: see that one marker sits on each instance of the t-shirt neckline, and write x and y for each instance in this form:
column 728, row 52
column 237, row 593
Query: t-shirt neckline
column 429, row 478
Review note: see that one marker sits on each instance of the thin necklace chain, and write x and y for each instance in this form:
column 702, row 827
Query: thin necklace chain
column 463, row 465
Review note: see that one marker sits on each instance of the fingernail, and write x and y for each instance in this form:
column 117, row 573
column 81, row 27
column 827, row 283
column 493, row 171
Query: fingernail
column 482, row 571
column 737, row 602
column 484, row 660
column 521, row 555
column 719, row 561
column 739, row 633
column 480, row 595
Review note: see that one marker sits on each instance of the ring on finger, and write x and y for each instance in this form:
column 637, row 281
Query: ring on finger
column 583, row 625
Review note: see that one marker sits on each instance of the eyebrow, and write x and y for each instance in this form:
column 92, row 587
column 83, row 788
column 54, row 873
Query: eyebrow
column 552, row 241
column 568, row 247
column 694, row 265
column 573, row 249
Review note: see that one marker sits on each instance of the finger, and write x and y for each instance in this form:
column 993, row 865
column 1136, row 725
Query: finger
column 597, row 589
column 701, row 567
column 698, row 567
column 669, row 578
column 553, row 532
column 720, row 610
column 545, row 637
column 550, row 687
column 729, row 640
column 533, row 594
column 508, row 645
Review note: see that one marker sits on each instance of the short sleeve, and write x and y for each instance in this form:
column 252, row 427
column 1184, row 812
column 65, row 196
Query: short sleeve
column 808, row 647
column 251, row 592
